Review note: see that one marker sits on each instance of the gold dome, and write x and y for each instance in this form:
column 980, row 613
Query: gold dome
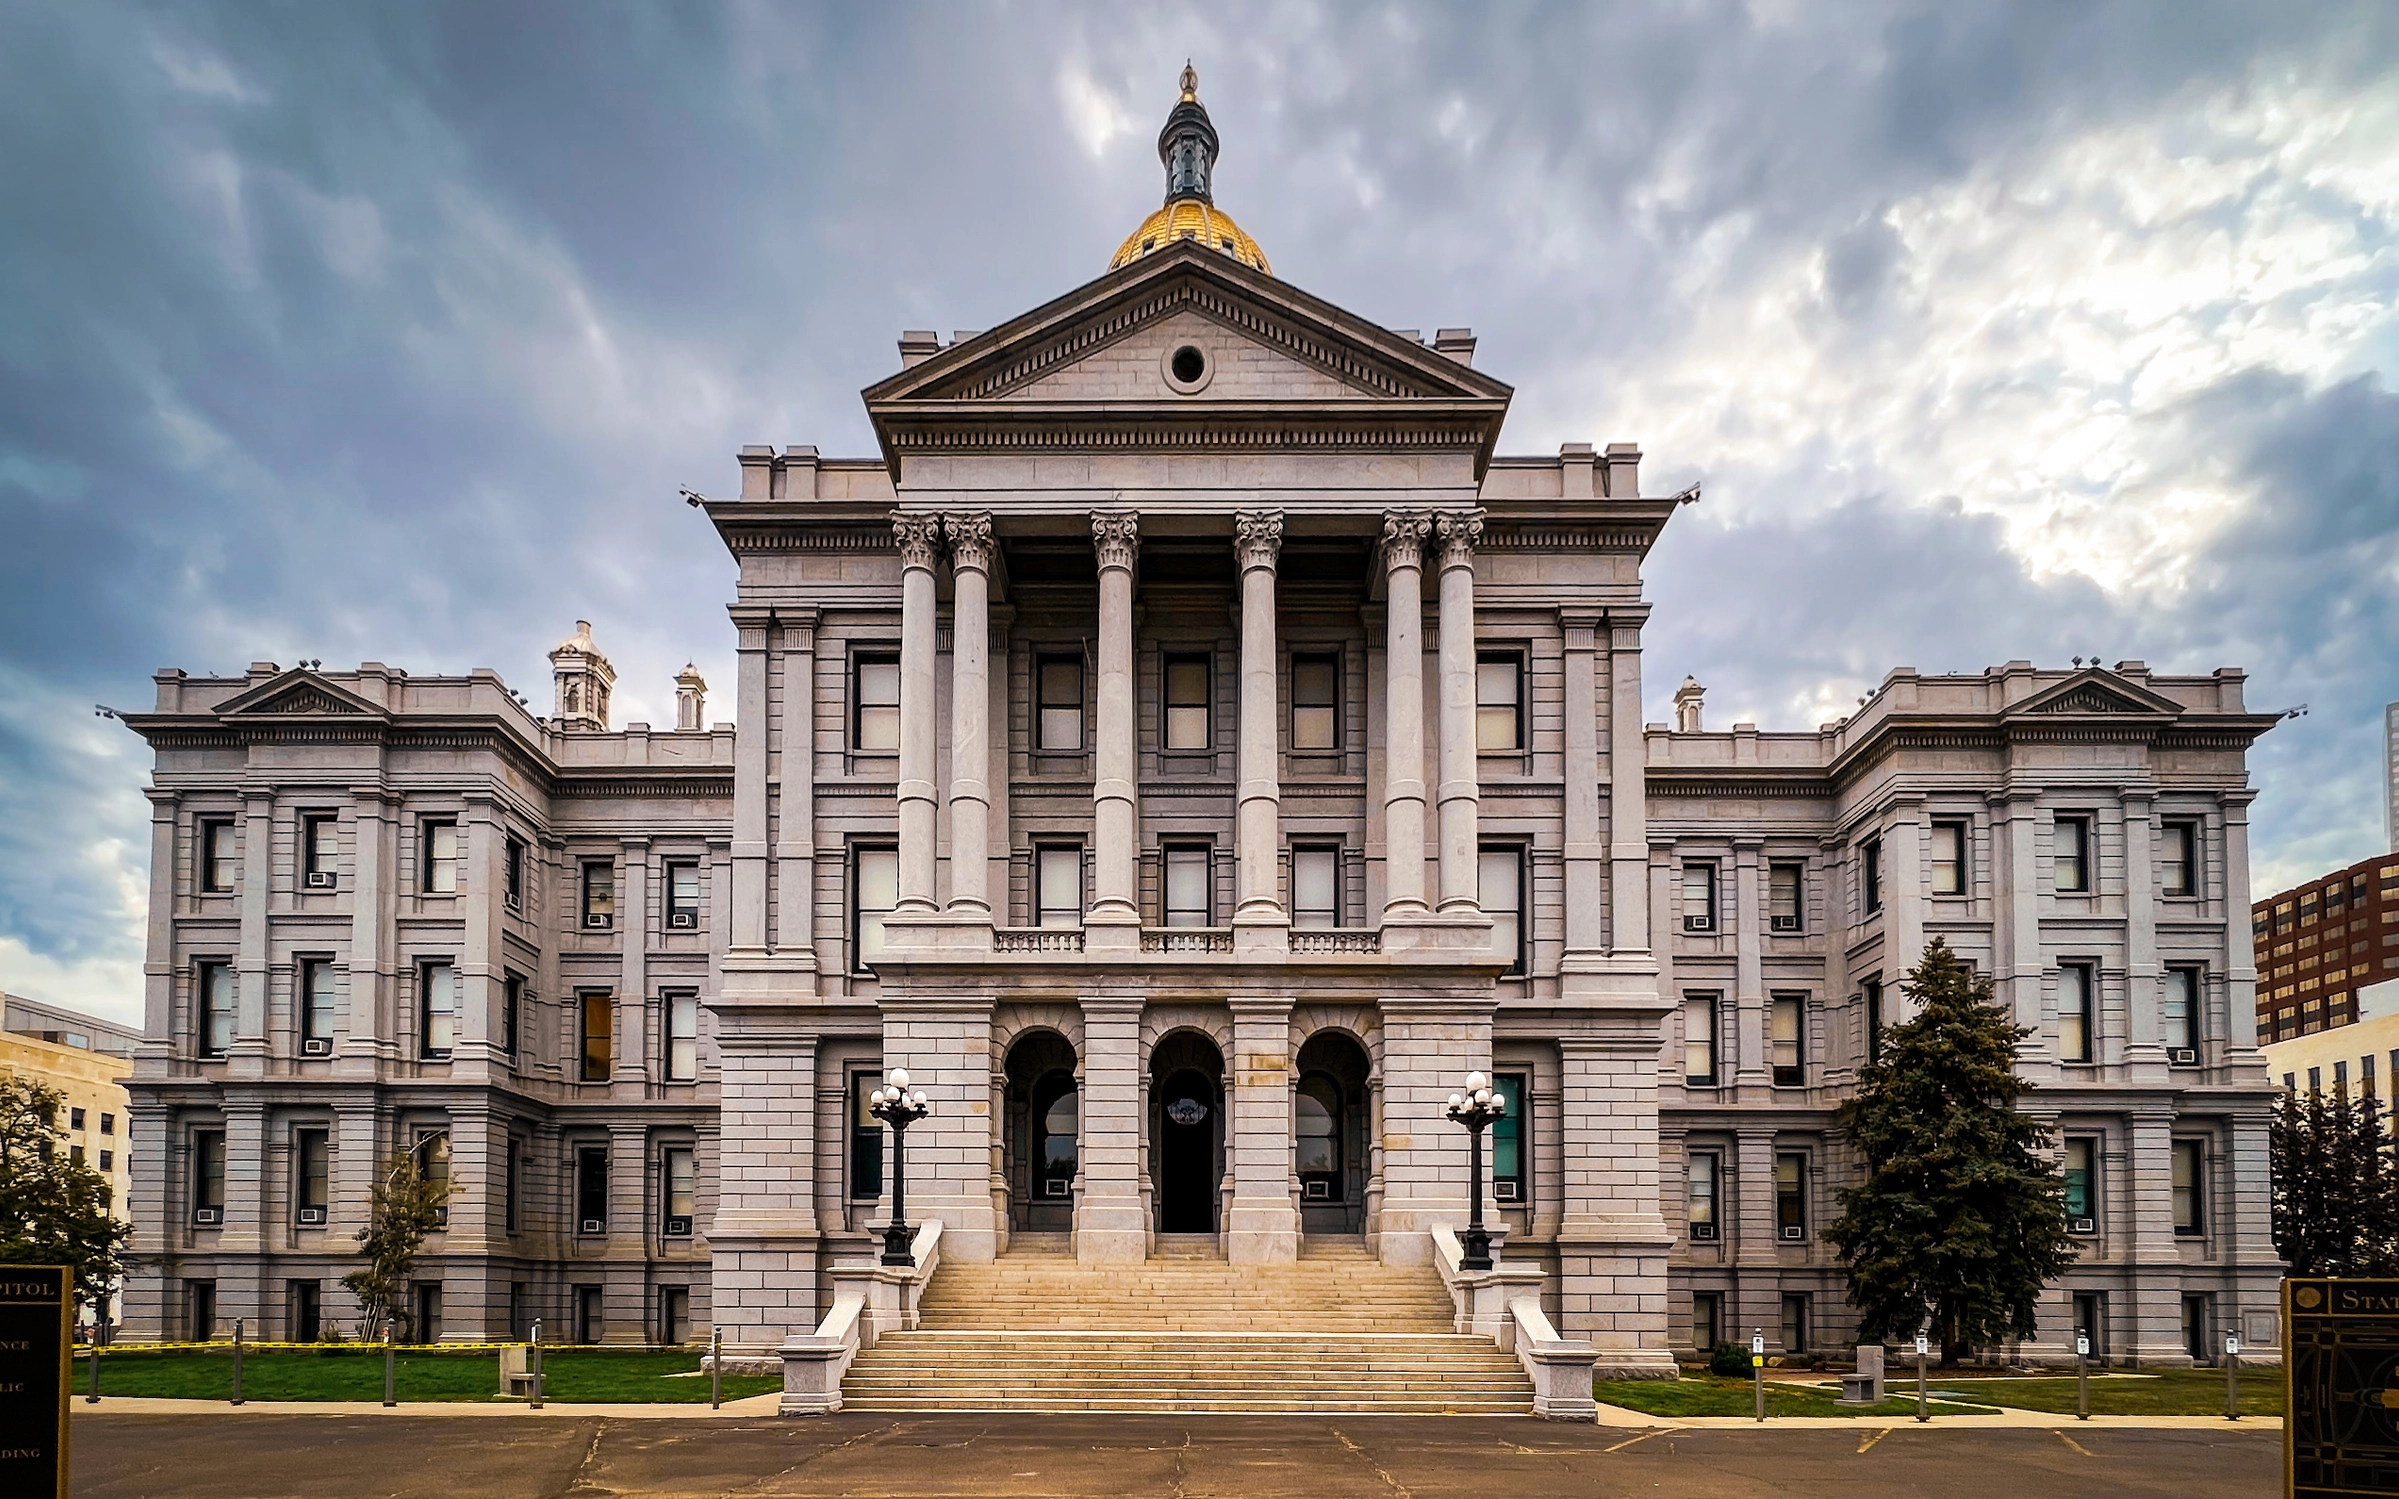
column 1189, row 218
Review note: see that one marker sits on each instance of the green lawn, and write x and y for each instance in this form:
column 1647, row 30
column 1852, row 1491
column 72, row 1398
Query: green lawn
column 1707, row 1395
column 2169, row 1392
column 596, row 1375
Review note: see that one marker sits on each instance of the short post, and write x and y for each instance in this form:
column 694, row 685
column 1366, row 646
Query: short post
column 390, row 1368
column 535, row 1371
column 99, row 1331
column 1923, row 1346
column 1757, row 1367
column 237, row 1360
column 2232, row 1377
column 716, row 1367
column 2082, row 1376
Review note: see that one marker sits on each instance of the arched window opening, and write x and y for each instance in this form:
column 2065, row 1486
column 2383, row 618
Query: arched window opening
column 1318, row 1125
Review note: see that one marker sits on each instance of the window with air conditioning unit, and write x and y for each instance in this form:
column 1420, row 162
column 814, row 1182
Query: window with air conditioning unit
column 1699, row 897
column 317, row 850
column 2180, row 998
column 316, row 1007
column 208, row 1177
column 591, row 1189
column 312, row 1175
column 1783, row 897
column 2081, row 1171
column 683, row 896
column 599, row 895
column 1791, row 1195
column 678, row 1190
column 1702, row 1170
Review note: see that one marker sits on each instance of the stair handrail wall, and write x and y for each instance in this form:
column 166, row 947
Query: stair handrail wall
column 869, row 1300
column 1503, row 1304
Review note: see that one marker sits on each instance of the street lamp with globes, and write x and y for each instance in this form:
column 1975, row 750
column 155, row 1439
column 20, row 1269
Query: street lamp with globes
column 1478, row 1107
column 899, row 1108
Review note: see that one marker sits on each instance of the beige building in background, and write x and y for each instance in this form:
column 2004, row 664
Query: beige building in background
column 2362, row 1056
column 94, row 1124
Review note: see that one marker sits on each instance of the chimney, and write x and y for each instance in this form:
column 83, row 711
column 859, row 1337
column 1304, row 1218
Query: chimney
column 1687, row 702
column 1624, row 471
column 1457, row 343
column 691, row 700
column 918, row 345
column 1576, row 465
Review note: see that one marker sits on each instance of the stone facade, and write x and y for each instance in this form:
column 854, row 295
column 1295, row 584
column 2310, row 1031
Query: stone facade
column 1188, row 750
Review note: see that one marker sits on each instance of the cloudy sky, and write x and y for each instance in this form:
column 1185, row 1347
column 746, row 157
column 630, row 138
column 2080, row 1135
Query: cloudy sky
column 388, row 332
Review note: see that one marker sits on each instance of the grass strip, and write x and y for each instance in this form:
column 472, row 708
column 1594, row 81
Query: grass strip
column 1707, row 1395
column 354, row 1373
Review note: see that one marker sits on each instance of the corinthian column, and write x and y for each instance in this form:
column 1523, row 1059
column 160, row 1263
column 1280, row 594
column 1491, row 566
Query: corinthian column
column 970, row 714
column 919, row 537
column 1257, row 542
column 1460, row 797
column 1403, row 786
column 1116, row 537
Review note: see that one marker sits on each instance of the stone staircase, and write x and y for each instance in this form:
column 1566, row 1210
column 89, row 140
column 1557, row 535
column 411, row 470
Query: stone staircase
column 1186, row 1333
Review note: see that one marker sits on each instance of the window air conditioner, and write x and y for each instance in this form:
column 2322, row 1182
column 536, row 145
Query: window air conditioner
column 593, row 1226
column 1794, row 1231
column 678, row 1228
column 1055, row 1187
column 1505, row 1191
column 1703, row 1233
column 1786, row 923
column 312, row 1217
column 316, row 1046
column 1699, row 923
column 208, row 1216
column 2082, row 1225
column 320, row 879
column 514, row 902
column 1315, row 1191
column 2182, row 1056
column 684, row 918
column 597, row 923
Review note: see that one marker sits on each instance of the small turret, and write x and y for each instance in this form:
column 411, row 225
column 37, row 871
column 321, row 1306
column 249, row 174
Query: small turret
column 584, row 681
column 1688, row 700
column 691, row 700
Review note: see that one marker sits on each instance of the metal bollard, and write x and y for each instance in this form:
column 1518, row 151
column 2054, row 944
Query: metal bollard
column 390, row 1370
column 237, row 1360
column 2232, row 1377
column 1923, row 1346
column 99, row 1330
column 2082, row 1377
column 1757, row 1366
column 716, row 1368
column 535, row 1369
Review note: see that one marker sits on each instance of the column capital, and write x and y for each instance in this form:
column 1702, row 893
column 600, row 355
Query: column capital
column 1404, row 532
column 969, row 536
column 1459, row 530
column 1257, row 538
column 919, row 537
column 1116, row 537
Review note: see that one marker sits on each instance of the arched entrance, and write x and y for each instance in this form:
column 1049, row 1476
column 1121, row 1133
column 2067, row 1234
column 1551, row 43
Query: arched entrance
column 1186, row 1131
column 1328, row 1124
column 1043, row 1142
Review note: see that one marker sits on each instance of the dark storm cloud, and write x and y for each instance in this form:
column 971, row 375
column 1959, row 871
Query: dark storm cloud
column 388, row 332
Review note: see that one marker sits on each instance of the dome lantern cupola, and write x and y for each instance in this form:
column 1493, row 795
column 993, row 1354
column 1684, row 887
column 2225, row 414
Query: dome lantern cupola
column 1187, row 146
column 1187, row 149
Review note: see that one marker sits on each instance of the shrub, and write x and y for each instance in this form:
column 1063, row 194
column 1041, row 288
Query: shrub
column 1730, row 1360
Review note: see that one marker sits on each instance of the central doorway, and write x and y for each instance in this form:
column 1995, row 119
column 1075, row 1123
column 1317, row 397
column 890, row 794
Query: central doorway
column 1186, row 1131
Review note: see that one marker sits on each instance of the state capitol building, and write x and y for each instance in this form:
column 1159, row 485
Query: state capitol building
column 1189, row 747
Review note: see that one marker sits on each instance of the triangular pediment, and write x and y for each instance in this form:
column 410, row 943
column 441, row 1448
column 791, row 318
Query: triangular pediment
column 298, row 693
column 2096, row 692
column 1105, row 353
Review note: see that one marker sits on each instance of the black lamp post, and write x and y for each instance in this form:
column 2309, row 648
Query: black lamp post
column 1476, row 1108
column 899, row 1108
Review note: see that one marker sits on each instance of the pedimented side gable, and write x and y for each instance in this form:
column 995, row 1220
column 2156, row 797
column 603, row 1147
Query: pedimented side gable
column 2098, row 692
column 298, row 693
column 1239, row 368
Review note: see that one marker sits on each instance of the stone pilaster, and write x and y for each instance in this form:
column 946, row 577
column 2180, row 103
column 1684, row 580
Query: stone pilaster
column 633, row 944
column 2240, row 969
column 1628, row 791
column 2156, row 1292
column 795, row 827
column 970, row 706
column 1404, row 534
column 1110, row 1224
column 247, row 1057
column 1750, row 1072
column 1113, row 922
column 366, row 994
column 1458, row 793
column 1612, row 1242
column 1586, row 849
column 749, row 782
column 2144, row 1040
column 1263, row 1226
column 1259, row 919
column 1429, row 1045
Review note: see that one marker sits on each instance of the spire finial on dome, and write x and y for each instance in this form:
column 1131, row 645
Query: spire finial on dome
column 1190, row 82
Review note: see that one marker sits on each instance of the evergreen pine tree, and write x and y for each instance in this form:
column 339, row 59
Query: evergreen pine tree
column 2336, row 1187
column 1962, row 1211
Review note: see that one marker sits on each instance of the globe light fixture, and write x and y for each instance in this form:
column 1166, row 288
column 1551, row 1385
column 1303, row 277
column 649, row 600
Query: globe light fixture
column 1477, row 1108
column 897, row 1107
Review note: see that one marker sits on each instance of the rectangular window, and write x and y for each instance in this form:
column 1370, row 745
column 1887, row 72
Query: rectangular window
column 1782, row 897
column 220, row 856
column 2190, row 1209
column 866, row 1139
column 1315, row 702
column 75, row 1154
column 512, row 1012
column 1949, row 858
column 1498, row 702
column 433, row 1164
column 515, row 874
column 1795, row 1322
column 875, row 703
column 317, row 851
column 2081, row 1177
column 1870, row 874
column 1706, row 1320
column 676, row 1191
column 74, row 1118
column 2071, row 852
column 2178, row 870
column 441, row 858
column 1783, row 1040
column 1699, row 897
column 1499, row 873
column 316, row 1006
column 599, row 1037
column 1790, row 1195
column 674, row 1315
column 874, row 891
column 1316, row 886
column 1702, row 1173
column 2182, row 1013
column 591, row 1189
column 108, row 1160
column 1187, row 902
column 437, row 989
column 217, row 999
column 1509, row 1178
column 108, row 1124
column 1699, row 1040
column 682, row 1038
column 1872, row 990
column 208, row 1176
column 1058, row 884
column 2074, row 1012
column 1187, row 681
column 599, row 894
column 682, row 896
column 312, row 1174
column 304, row 1300
column 1058, row 700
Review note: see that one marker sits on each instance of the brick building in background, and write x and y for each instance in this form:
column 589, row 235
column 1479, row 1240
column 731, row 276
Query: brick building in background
column 2319, row 943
